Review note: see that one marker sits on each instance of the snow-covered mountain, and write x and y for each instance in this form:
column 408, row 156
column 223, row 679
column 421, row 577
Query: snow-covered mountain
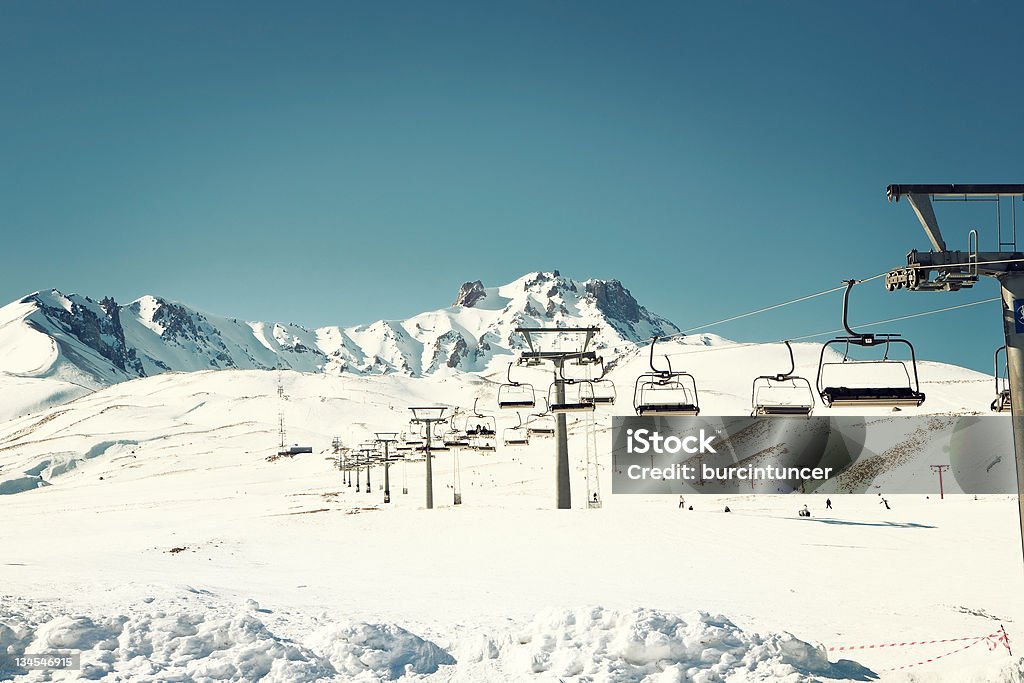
column 76, row 339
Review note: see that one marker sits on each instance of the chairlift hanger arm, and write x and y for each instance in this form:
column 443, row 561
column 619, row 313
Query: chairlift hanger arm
column 792, row 364
column 668, row 361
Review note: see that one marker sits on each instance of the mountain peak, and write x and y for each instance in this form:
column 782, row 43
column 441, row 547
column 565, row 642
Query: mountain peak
column 470, row 293
column 151, row 335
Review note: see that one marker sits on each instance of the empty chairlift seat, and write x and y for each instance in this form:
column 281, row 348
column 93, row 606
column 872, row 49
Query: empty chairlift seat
column 676, row 395
column 604, row 392
column 576, row 396
column 516, row 395
column 882, row 382
column 782, row 394
column 665, row 392
column 541, row 424
column 454, row 438
column 516, row 436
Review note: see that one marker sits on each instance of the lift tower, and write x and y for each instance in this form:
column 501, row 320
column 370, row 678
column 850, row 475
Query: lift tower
column 948, row 270
column 580, row 355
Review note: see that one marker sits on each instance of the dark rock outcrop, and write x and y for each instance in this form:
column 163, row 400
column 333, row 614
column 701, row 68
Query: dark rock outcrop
column 614, row 300
column 470, row 293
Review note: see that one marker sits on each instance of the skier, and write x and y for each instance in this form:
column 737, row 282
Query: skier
column 828, row 503
column 805, row 512
column 682, row 503
column 595, row 496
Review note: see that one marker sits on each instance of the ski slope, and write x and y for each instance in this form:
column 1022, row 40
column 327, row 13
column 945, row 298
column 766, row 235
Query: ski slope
column 144, row 525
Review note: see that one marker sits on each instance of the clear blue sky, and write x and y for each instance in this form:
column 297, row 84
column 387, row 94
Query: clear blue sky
column 341, row 162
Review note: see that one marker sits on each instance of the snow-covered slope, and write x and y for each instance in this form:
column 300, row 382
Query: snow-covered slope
column 163, row 544
column 145, row 526
column 79, row 340
column 238, row 410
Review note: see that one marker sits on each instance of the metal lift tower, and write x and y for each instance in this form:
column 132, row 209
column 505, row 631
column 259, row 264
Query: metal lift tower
column 582, row 355
column 949, row 270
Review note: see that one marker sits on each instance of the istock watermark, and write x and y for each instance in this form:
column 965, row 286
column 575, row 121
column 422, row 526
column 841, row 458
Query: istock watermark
column 928, row 454
column 645, row 440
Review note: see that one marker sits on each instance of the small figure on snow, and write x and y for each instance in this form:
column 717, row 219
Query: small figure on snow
column 828, row 503
column 886, row 503
column 805, row 512
column 682, row 503
column 727, row 509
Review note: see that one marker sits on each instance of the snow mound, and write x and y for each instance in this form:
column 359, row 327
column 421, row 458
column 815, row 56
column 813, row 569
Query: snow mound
column 659, row 647
column 593, row 644
column 193, row 646
column 384, row 650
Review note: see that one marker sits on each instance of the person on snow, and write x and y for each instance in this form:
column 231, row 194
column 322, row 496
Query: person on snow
column 682, row 503
column 805, row 512
column 886, row 504
column 727, row 509
column 828, row 503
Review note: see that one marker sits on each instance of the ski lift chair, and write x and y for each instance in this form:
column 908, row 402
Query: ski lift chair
column 1001, row 403
column 516, row 395
column 453, row 438
column 665, row 392
column 541, row 424
column 833, row 395
column 414, row 436
column 604, row 393
column 484, row 430
column 578, row 396
column 516, row 436
column 782, row 394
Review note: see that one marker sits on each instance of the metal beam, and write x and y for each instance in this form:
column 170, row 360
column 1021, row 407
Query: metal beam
column 895, row 191
column 922, row 205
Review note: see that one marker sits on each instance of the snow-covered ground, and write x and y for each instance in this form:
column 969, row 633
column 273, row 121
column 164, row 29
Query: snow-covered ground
column 145, row 526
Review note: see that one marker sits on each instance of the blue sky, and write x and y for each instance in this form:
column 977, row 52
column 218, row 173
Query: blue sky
column 340, row 162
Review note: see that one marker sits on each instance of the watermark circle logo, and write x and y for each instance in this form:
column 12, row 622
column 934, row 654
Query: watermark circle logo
column 1020, row 314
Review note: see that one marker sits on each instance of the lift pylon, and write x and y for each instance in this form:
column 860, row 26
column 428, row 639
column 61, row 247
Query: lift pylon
column 943, row 269
column 580, row 354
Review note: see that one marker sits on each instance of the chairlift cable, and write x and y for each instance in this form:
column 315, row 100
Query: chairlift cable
column 769, row 308
column 736, row 345
column 902, row 317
